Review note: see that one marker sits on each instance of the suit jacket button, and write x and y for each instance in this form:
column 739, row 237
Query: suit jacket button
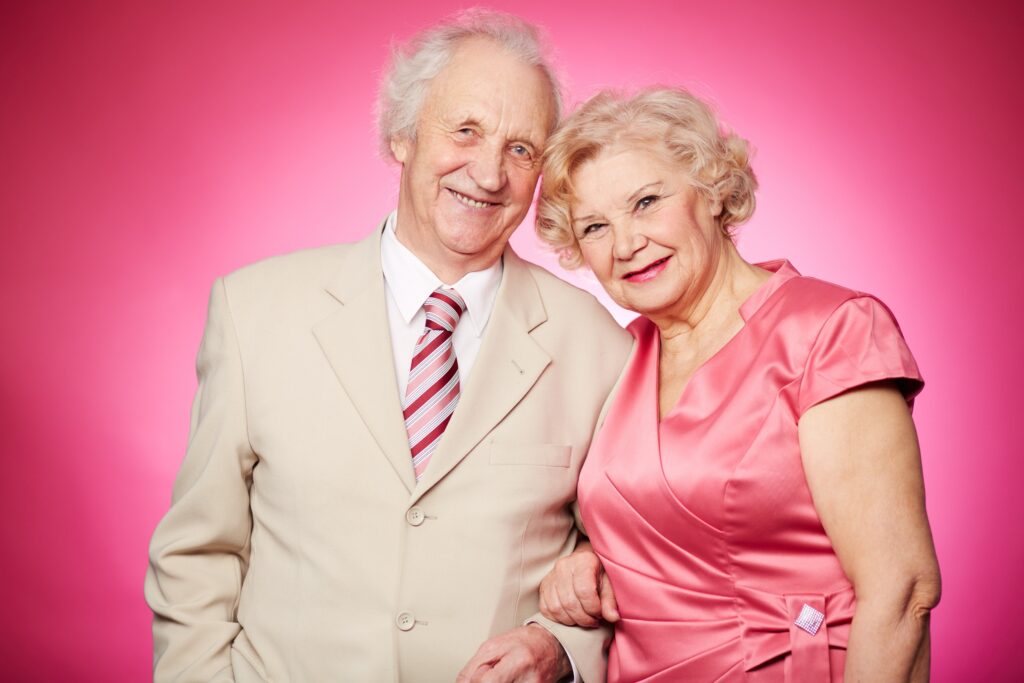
column 415, row 516
column 405, row 621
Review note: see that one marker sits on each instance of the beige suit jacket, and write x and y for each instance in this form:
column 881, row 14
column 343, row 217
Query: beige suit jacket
column 299, row 546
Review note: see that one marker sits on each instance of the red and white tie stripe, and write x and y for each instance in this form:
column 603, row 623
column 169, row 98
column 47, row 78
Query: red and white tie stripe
column 433, row 389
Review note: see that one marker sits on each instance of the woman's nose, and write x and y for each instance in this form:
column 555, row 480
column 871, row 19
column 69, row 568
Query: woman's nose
column 628, row 241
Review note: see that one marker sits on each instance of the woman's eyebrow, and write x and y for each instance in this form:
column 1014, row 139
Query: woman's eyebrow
column 642, row 191
column 588, row 217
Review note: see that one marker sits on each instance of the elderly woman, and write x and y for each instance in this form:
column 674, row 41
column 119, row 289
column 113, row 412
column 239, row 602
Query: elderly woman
column 755, row 495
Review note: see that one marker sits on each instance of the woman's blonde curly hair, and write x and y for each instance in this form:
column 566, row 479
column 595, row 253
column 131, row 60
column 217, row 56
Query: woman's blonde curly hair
column 675, row 122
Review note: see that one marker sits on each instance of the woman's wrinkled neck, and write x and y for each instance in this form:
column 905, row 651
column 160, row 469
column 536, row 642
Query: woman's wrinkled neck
column 714, row 300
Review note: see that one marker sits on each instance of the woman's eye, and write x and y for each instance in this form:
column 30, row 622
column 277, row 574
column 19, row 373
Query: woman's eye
column 644, row 202
column 464, row 132
column 592, row 228
column 521, row 151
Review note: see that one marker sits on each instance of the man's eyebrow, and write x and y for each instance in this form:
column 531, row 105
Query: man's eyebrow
column 464, row 119
column 526, row 138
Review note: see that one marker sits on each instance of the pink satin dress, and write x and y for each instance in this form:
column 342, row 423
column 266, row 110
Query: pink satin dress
column 704, row 521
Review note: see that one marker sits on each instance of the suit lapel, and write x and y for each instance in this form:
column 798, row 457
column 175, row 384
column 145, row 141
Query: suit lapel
column 507, row 366
column 357, row 343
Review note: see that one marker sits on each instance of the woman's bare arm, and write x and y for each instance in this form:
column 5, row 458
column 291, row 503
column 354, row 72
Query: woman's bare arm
column 863, row 466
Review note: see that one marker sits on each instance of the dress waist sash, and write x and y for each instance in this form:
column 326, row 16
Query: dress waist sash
column 802, row 625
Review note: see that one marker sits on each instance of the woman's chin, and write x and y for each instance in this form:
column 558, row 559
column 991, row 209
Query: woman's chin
column 645, row 308
column 648, row 303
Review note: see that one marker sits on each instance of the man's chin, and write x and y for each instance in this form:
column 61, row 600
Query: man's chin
column 474, row 251
column 469, row 243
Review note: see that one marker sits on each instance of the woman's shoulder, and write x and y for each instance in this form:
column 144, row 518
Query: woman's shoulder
column 817, row 294
column 813, row 301
column 811, row 313
column 847, row 338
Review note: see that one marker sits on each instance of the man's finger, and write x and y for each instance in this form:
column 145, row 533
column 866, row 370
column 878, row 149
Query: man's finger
column 482, row 658
column 609, row 606
column 468, row 671
column 480, row 675
column 504, row 671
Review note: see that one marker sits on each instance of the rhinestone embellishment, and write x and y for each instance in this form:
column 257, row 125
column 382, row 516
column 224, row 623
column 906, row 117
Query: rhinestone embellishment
column 809, row 619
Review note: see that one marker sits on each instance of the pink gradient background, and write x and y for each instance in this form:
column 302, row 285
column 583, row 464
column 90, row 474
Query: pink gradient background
column 147, row 148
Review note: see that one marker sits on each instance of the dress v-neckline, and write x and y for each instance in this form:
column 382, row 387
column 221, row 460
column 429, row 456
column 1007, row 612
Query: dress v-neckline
column 782, row 271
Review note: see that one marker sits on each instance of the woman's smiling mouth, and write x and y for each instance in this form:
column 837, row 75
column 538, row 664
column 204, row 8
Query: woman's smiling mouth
column 648, row 272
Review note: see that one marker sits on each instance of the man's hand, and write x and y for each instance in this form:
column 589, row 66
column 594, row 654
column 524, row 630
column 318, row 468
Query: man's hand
column 528, row 654
column 577, row 592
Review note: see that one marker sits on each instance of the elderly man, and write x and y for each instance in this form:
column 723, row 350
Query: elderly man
column 387, row 434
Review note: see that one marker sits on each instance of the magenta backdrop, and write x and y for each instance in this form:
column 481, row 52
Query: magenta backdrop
column 147, row 148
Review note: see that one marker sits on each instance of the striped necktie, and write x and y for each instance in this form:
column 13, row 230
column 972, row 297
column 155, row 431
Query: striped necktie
column 433, row 389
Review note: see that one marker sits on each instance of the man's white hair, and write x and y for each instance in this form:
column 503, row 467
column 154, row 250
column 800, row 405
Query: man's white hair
column 416, row 63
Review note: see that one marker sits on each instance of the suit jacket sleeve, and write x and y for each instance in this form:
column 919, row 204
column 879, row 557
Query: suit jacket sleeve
column 586, row 647
column 200, row 550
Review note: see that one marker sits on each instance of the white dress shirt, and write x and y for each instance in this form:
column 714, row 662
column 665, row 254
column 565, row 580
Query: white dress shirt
column 409, row 282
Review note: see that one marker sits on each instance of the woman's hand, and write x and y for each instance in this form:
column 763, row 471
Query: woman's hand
column 577, row 592
column 863, row 466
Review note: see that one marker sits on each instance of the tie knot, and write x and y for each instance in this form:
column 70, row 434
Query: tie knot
column 444, row 308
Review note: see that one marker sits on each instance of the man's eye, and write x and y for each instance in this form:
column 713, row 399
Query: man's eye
column 465, row 132
column 644, row 202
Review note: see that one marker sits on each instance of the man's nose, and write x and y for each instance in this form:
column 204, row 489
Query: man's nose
column 488, row 168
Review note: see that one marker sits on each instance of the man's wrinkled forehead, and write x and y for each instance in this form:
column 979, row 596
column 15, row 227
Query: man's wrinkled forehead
column 487, row 86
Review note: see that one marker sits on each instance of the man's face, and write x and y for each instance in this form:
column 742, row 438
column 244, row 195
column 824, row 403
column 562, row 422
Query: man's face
column 469, row 177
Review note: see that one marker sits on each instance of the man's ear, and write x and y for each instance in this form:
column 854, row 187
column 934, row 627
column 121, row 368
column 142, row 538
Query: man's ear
column 400, row 148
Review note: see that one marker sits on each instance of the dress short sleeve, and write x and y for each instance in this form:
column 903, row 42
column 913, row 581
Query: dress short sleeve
column 859, row 343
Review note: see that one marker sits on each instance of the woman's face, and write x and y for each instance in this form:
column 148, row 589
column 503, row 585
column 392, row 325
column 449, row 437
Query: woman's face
column 646, row 233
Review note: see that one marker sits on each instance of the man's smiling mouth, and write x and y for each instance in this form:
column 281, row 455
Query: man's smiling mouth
column 469, row 201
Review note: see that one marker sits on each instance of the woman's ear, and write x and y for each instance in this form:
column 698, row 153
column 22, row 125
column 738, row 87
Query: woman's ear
column 715, row 206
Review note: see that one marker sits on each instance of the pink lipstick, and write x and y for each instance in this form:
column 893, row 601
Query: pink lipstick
column 649, row 273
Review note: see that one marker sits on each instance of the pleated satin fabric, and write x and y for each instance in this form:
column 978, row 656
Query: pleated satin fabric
column 704, row 521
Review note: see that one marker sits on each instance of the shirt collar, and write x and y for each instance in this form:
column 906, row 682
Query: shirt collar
column 411, row 281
